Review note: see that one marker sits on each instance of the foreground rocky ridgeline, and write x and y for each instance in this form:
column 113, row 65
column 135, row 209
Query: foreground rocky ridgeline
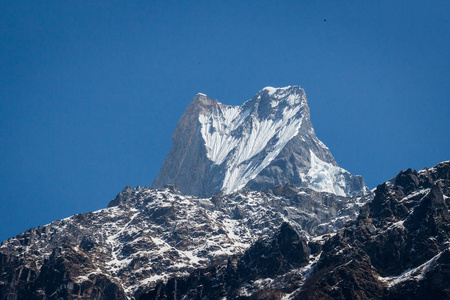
column 160, row 244
column 147, row 236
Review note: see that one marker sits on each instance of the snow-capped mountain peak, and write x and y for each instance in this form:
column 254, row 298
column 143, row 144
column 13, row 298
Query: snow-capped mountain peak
column 223, row 148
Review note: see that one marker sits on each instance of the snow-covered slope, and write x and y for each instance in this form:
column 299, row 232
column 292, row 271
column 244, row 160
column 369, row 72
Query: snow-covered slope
column 267, row 141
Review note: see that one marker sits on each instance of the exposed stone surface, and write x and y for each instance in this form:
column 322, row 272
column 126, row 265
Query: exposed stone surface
column 275, row 256
column 68, row 273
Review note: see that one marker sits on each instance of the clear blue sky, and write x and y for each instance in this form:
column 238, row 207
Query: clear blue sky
column 90, row 93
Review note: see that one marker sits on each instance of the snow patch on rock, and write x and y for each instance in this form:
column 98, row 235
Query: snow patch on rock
column 324, row 177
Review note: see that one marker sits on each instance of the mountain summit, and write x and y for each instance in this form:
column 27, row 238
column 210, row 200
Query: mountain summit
column 267, row 141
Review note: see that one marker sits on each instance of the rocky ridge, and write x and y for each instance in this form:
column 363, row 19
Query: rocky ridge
column 147, row 236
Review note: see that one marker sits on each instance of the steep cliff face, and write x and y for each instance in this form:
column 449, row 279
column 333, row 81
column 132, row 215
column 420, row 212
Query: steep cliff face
column 266, row 142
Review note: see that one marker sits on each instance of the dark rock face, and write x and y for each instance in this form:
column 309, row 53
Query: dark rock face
column 208, row 283
column 276, row 256
column 340, row 278
column 59, row 279
column 435, row 285
column 15, row 277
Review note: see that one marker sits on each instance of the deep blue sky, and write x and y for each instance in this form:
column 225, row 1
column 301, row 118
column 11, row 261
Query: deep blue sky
column 90, row 93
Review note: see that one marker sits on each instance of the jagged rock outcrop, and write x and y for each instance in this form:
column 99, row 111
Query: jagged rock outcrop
column 400, row 240
column 68, row 273
column 274, row 256
column 267, row 141
column 64, row 276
